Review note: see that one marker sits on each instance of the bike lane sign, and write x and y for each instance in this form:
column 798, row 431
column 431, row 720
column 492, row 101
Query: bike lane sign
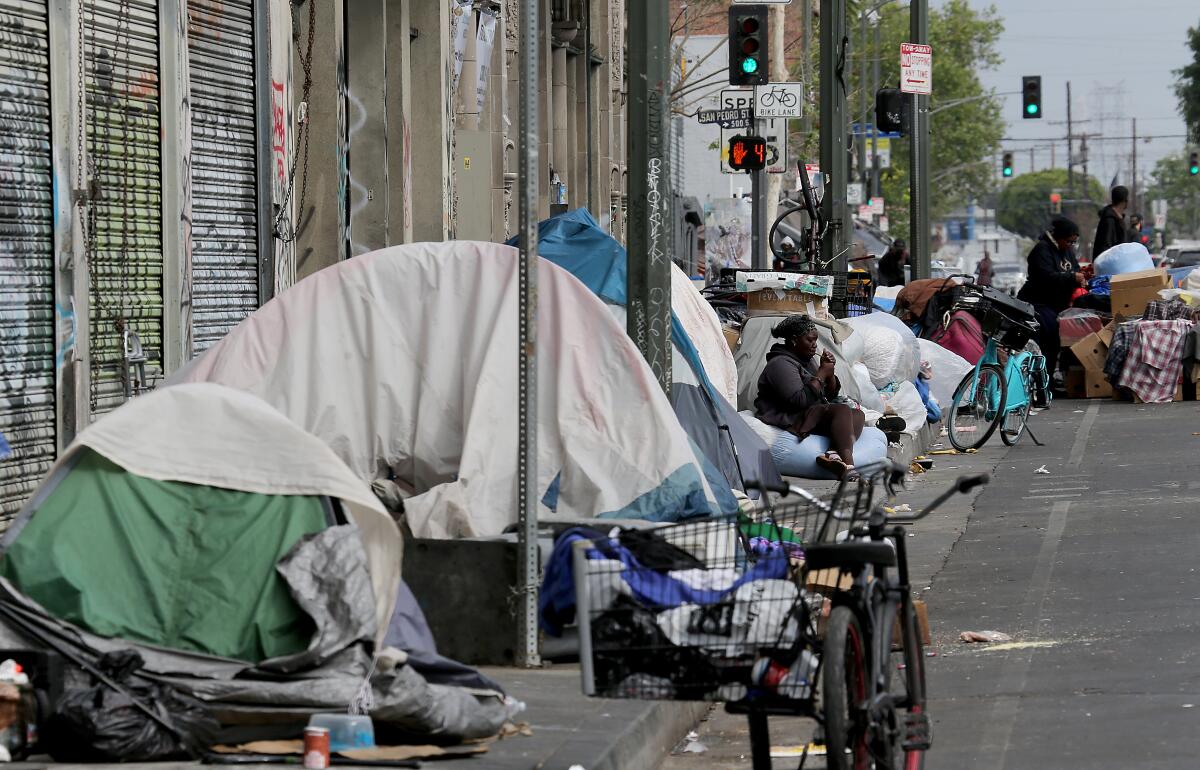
column 779, row 100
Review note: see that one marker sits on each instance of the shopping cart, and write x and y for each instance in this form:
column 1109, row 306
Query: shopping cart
column 723, row 609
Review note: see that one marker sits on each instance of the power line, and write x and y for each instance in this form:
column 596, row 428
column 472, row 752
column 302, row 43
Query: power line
column 1094, row 138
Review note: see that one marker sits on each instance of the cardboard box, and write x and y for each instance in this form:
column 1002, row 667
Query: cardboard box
column 732, row 337
column 1106, row 334
column 1091, row 352
column 786, row 301
column 827, row 581
column 1074, row 382
column 1132, row 291
column 1096, row 384
column 922, row 613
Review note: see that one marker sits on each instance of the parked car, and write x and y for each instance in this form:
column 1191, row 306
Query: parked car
column 1008, row 277
column 1184, row 257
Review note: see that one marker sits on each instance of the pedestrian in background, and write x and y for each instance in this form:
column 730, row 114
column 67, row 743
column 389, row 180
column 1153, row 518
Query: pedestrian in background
column 891, row 265
column 1053, row 277
column 984, row 271
column 1110, row 231
column 1135, row 230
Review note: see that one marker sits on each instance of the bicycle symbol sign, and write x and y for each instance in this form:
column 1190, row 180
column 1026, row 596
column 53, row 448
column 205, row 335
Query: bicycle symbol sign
column 779, row 100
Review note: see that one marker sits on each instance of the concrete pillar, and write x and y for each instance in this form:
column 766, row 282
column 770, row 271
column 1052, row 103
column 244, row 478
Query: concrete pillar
column 366, row 98
column 323, row 227
column 398, row 117
column 562, row 165
column 432, row 60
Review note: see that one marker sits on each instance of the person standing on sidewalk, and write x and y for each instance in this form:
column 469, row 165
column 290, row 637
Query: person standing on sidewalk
column 1054, row 275
column 1110, row 231
column 891, row 265
column 984, row 271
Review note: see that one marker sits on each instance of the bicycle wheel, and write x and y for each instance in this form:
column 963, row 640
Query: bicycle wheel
column 914, row 737
column 1012, row 426
column 975, row 412
column 844, row 690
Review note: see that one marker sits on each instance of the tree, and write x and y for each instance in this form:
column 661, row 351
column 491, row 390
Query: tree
column 1024, row 204
column 1187, row 87
column 965, row 138
column 1172, row 183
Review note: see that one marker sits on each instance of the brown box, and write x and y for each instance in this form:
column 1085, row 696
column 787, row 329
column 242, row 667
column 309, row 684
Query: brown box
column 828, row 580
column 922, row 613
column 1096, row 384
column 732, row 337
column 786, row 301
column 1132, row 291
column 1092, row 352
column 1106, row 334
column 1074, row 382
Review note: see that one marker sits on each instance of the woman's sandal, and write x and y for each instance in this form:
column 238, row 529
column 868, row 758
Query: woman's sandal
column 832, row 463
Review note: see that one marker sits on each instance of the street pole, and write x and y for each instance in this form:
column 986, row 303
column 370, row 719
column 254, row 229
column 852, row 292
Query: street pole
column 875, row 187
column 919, row 157
column 758, row 218
column 527, row 167
column 1070, row 149
column 648, row 317
column 805, row 70
column 833, row 132
column 1133, row 183
column 773, row 183
column 861, row 139
column 1032, row 165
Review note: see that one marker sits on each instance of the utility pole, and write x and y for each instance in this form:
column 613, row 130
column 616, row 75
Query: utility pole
column 805, row 71
column 1032, row 166
column 779, row 74
column 861, row 138
column 918, row 174
column 875, row 188
column 528, row 653
column 1070, row 149
column 1133, row 191
column 648, row 320
column 833, row 133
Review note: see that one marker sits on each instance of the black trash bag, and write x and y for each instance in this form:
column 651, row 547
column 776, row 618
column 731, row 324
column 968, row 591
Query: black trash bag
column 100, row 724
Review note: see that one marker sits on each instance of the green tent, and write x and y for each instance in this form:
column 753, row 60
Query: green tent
column 185, row 566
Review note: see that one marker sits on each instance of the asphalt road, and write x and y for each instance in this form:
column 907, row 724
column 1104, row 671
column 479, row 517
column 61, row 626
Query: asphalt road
column 1091, row 568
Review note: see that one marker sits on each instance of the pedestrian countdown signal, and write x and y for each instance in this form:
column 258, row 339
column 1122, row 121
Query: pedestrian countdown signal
column 747, row 153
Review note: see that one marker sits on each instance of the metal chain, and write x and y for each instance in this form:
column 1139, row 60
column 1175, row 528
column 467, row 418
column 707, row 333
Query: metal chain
column 286, row 230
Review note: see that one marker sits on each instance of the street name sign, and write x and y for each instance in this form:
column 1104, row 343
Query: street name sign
column 916, row 68
column 730, row 118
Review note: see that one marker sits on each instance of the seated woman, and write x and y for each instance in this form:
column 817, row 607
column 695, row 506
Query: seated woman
column 796, row 390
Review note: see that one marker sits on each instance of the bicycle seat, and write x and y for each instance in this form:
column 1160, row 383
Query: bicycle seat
column 849, row 554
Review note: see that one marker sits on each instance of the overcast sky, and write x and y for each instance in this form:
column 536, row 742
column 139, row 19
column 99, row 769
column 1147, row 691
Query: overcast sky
column 1119, row 57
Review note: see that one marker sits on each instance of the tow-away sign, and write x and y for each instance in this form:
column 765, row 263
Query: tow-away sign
column 916, row 68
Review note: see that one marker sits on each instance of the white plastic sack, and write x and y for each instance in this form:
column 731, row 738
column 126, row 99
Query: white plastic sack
column 870, row 400
column 890, row 349
column 948, row 370
column 1123, row 258
column 907, row 403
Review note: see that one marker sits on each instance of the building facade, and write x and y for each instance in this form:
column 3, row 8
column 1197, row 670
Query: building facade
column 167, row 166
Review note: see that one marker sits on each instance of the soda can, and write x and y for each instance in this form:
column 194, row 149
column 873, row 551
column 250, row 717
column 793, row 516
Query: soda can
column 316, row 748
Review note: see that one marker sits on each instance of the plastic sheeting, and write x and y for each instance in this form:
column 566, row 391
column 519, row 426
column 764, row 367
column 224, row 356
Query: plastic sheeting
column 948, row 369
column 219, row 437
column 1123, row 258
column 403, row 362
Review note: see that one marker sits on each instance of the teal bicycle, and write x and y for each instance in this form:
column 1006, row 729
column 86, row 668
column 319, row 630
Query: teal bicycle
column 995, row 394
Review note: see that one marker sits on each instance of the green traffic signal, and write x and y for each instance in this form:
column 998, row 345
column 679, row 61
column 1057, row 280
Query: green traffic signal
column 1008, row 172
column 1194, row 163
column 1032, row 109
column 749, row 66
column 1194, row 170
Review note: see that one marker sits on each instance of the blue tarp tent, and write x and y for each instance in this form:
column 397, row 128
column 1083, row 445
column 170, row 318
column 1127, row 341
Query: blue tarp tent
column 576, row 242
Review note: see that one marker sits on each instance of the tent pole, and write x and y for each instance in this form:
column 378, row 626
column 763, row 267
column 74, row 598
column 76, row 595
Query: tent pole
column 530, row 566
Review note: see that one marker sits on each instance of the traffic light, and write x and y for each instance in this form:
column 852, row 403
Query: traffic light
column 1194, row 163
column 747, row 153
column 1031, row 93
column 1055, row 203
column 1007, row 168
column 748, row 65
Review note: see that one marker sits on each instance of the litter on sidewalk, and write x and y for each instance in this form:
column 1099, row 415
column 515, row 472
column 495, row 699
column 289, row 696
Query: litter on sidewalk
column 987, row 637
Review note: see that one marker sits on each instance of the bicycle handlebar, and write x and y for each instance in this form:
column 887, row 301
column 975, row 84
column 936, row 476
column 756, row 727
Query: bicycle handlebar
column 962, row 485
